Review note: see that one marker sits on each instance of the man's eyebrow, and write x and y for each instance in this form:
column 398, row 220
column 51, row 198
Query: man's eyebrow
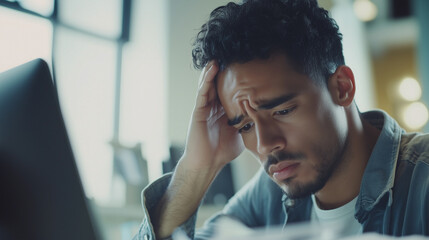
column 264, row 104
column 235, row 121
column 272, row 103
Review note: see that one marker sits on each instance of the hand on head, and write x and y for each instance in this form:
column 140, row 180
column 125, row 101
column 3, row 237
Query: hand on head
column 211, row 142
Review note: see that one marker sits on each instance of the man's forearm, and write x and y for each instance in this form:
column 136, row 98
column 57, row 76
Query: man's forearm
column 210, row 145
column 182, row 198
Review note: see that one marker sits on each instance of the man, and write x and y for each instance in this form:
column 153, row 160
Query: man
column 274, row 82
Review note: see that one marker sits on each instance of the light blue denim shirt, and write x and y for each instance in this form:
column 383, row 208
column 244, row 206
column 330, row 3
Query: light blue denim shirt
column 393, row 199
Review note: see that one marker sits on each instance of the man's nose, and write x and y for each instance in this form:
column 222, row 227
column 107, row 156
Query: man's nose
column 270, row 138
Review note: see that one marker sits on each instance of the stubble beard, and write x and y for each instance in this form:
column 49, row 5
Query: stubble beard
column 329, row 162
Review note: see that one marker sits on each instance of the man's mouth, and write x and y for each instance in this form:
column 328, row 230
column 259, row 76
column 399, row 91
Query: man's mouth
column 283, row 170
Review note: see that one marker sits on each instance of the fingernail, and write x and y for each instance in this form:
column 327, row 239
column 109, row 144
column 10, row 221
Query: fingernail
column 210, row 63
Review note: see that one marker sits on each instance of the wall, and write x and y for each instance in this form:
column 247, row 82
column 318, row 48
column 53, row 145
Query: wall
column 185, row 20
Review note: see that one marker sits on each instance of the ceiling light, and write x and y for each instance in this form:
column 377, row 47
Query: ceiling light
column 365, row 10
column 409, row 89
column 415, row 116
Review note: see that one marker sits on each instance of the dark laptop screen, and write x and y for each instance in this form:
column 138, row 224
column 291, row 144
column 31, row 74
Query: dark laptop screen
column 41, row 195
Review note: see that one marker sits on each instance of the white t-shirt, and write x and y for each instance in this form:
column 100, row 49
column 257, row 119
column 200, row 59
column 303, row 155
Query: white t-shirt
column 343, row 215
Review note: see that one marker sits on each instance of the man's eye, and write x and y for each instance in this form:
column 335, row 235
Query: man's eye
column 285, row 111
column 245, row 128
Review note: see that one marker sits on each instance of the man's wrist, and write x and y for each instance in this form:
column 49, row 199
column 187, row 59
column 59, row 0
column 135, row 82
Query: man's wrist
column 181, row 199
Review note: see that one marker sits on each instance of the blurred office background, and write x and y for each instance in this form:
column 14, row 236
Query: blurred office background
column 126, row 83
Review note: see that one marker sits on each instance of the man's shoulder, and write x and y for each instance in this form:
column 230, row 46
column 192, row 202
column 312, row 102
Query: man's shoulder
column 411, row 189
column 414, row 148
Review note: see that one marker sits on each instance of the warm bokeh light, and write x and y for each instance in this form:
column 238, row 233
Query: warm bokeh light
column 365, row 10
column 415, row 115
column 409, row 89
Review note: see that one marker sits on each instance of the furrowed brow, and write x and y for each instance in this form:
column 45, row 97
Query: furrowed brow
column 236, row 120
column 264, row 105
column 272, row 103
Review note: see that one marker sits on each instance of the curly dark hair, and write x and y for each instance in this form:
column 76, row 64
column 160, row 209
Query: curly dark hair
column 256, row 28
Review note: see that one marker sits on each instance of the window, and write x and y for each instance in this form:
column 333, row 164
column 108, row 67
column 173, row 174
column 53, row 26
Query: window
column 111, row 90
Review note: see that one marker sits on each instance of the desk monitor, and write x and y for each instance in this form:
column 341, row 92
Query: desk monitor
column 41, row 195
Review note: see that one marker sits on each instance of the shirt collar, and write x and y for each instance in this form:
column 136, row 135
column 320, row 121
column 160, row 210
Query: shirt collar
column 379, row 174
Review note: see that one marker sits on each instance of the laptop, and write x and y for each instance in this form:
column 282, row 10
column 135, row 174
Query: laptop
column 41, row 194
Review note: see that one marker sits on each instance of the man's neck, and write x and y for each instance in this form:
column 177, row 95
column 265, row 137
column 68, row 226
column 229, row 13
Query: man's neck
column 344, row 183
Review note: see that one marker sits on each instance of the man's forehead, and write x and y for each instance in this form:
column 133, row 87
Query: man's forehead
column 234, row 86
column 238, row 80
column 262, row 68
column 260, row 82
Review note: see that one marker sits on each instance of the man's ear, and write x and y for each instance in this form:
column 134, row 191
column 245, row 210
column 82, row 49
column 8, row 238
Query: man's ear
column 342, row 86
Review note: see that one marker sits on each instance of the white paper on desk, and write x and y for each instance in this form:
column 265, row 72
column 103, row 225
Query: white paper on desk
column 229, row 229
column 375, row 236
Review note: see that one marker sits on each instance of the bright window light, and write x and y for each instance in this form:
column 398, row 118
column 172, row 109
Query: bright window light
column 43, row 7
column 85, row 68
column 103, row 17
column 415, row 116
column 23, row 38
column 365, row 10
column 409, row 89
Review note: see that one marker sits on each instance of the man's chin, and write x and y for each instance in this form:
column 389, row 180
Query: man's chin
column 296, row 190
